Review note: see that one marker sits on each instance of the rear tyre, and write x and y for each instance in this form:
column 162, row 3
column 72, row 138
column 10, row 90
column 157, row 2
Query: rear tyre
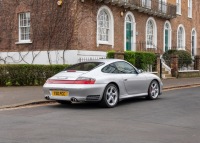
column 154, row 90
column 63, row 102
column 110, row 96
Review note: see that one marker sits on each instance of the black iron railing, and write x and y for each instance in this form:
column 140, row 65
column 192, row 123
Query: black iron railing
column 147, row 47
column 151, row 7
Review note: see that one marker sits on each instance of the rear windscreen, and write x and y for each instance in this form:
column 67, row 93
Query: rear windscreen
column 85, row 66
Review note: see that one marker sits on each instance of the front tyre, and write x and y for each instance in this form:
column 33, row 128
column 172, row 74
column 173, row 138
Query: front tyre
column 154, row 90
column 110, row 96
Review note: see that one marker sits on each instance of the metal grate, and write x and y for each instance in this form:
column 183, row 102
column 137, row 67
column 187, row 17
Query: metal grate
column 92, row 98
column 83, row 59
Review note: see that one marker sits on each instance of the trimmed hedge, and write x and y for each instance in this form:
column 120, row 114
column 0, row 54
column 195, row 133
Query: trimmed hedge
column 141, row 60
column 144, row 59
column 110, row 54
column 27, row 75
column 130, row 57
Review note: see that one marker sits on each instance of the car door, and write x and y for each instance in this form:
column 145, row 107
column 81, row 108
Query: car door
column 134, row 82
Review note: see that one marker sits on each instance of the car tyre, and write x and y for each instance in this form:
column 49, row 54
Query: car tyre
column 63, row 102
column 154, row 90
column 110, row 96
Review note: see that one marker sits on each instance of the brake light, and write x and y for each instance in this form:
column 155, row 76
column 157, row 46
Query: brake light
column 71, row 70
column 84, row 82
column 78, row 81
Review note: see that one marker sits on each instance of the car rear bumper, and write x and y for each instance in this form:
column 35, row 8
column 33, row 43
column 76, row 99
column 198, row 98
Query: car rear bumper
column 77, row 92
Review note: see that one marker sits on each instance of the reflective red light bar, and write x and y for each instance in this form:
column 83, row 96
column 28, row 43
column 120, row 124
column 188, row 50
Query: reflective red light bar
column 52, row 81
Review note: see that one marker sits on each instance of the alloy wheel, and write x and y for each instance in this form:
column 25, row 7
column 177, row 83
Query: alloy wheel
column 154, row 90
column 111, row 95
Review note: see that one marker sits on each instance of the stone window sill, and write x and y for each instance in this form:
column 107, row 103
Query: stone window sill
column 23, row 42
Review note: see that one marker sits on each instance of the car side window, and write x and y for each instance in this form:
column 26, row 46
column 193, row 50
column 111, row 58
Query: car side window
column 111, row 68
column 124, row 67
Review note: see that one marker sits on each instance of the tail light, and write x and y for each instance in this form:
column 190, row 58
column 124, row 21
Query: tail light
column 84, row 80
column 80, row 80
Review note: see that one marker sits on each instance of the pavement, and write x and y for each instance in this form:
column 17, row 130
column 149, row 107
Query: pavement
column 23, row 95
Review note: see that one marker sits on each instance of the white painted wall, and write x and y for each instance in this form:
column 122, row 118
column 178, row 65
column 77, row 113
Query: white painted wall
column 55, row 57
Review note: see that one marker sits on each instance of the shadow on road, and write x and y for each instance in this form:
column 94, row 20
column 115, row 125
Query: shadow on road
column 95, row 106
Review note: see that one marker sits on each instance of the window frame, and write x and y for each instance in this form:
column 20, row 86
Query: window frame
column 178, row 7
column 182, row 47
column 146, row 4
column 190, row 8
column 111, row 27
column 154, row 39
column 28, row 20
column 195, row 41
column 162, row 6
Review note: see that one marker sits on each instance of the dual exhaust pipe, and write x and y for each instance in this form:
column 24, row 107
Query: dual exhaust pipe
column 72, row 99
column 47, row 98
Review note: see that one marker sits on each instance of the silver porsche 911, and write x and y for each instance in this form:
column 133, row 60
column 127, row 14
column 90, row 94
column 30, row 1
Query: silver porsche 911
column 106, row 81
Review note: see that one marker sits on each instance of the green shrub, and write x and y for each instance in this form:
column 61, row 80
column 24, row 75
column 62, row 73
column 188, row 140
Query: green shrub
column 26, row 75
column 184, row 57
column 144, row 59
column 110, row 54
column 140, row 60
column 130, row 57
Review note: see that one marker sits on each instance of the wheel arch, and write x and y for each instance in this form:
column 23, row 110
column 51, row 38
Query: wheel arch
column 105, row 103
column 108, row 84
column 157, row 82
column 115, row 85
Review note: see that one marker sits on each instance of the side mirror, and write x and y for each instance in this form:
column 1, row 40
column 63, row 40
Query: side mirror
column 140, row 71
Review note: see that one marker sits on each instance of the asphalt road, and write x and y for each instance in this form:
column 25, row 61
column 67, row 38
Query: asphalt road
column 174, row 118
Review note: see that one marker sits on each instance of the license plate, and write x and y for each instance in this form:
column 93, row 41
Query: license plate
column 60, row 93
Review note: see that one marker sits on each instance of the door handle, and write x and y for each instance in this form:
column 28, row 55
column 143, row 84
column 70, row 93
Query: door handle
column 125, row 79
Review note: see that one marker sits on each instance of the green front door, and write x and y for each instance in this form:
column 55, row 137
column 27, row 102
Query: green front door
column 166, row 40
column 128, row 36
column 193, row 45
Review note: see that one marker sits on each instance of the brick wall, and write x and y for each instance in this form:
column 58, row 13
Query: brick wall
column 140, row 19
column 84, row 34
column 188, row 23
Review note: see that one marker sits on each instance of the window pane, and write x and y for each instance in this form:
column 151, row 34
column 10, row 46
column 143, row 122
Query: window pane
column 110, row 69
column 180, row 38
column 178, row 6
column 128, row 19
column 103, row 26
column 150, row 34
column 125, row 68
column 24, row 26
column 85, row 66
column 190, row 8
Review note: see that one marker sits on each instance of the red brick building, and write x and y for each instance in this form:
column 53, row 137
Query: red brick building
column 77, row 28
